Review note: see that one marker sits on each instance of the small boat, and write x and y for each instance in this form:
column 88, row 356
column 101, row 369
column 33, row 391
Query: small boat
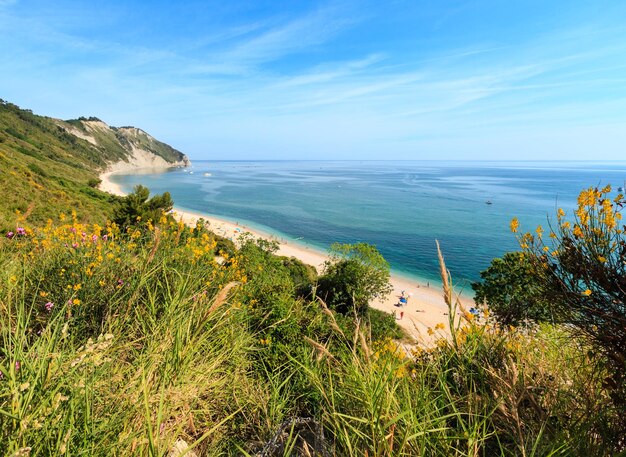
column 208, row 174
column 488, row 202
column 620, row 189
column 191, row 172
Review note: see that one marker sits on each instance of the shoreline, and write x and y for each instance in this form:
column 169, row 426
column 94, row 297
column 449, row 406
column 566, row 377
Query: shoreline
column 425, row 308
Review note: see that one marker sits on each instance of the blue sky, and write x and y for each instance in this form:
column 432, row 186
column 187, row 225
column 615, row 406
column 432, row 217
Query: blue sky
column 430, row 79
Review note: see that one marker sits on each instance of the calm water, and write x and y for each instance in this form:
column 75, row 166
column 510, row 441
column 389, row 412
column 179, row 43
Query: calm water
column 401, row 207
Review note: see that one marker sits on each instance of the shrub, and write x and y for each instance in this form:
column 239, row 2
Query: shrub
column 584, row 265
column 512, row 291
column 138, row 208
column 354, row 275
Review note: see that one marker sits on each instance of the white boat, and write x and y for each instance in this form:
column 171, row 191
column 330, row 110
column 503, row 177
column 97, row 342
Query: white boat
column 208, row 174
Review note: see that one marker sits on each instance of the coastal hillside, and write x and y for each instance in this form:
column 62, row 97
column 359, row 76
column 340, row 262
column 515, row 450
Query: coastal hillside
column 124, row 144
column 47, row 164
column 210, row 346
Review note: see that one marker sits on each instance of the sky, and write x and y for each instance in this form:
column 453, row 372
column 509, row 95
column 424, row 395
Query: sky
column 362, row 80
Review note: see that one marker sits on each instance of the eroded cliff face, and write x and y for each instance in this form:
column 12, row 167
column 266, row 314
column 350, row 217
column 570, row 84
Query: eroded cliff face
column 125, row 147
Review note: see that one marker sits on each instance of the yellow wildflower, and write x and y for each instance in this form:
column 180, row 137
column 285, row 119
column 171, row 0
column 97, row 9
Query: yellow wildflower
column 514, row 225
column 587, row 292
column 76, row 301
column 578, row 232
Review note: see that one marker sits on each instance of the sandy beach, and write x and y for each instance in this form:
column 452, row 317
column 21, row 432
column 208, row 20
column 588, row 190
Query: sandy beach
column 425, row 308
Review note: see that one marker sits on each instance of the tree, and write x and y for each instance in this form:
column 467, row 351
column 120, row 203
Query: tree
column 136, row 208
column 354, row 276
column 512, row 291
column 584, row 276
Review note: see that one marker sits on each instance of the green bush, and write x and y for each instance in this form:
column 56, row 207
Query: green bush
column 354, row 275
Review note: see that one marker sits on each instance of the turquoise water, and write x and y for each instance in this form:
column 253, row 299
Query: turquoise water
column 401, row 207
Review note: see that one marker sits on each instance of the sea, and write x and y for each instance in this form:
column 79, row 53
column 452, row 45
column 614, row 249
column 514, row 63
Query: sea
column 402, row 207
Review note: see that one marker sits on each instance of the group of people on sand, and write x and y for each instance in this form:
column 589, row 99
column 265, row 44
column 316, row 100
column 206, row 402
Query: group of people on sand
column 403, row 300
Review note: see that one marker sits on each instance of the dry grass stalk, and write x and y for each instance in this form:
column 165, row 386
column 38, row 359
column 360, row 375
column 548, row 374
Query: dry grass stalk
column 364, row 345
column 157, row 241
column 329, row 313
column 222, row 295
column 451, row 301
column 321, row 349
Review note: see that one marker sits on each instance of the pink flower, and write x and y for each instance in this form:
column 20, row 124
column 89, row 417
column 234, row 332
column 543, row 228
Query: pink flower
column 10, row 235
column 18, row 365
column 105, row 237
column 75, row 245
column 49, row 306
column 73, row 229
column 120, row 282
column 21, row 231
column 94, row 238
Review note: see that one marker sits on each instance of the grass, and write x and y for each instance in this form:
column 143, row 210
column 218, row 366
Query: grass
column 149, row 341
column 134, row 342
column 46, row 170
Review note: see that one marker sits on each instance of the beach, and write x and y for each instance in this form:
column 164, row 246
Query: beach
column 425, row 307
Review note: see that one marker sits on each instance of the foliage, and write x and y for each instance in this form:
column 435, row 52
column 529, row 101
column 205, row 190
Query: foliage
column 354, row 275
column 511, row 289
column 383, row 325
column 220, row 354
column 584, row 261
column 137, row 207
column 45, row 170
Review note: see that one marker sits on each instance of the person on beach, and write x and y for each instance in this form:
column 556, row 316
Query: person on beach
column 401, row 314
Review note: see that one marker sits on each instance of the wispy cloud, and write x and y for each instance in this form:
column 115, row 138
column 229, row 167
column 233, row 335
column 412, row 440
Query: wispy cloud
column 295, row 80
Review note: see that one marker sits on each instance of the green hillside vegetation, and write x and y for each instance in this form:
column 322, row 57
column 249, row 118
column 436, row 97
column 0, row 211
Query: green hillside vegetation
column 45, row 169
column 128, row 333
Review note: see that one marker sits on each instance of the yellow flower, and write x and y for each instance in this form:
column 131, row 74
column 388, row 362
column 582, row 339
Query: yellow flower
column 539, row 231
column 78, row 286
column 587, row 197
column 43, row 294
column 602, row 259
column 514, row 225
column 587, row 292
column 560, row 213
column 578, row 232
column 76, row 301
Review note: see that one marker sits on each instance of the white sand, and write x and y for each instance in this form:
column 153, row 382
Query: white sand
column 425, row 308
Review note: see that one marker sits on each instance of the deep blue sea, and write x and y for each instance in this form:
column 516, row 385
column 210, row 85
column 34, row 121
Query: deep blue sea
column 401, row 207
